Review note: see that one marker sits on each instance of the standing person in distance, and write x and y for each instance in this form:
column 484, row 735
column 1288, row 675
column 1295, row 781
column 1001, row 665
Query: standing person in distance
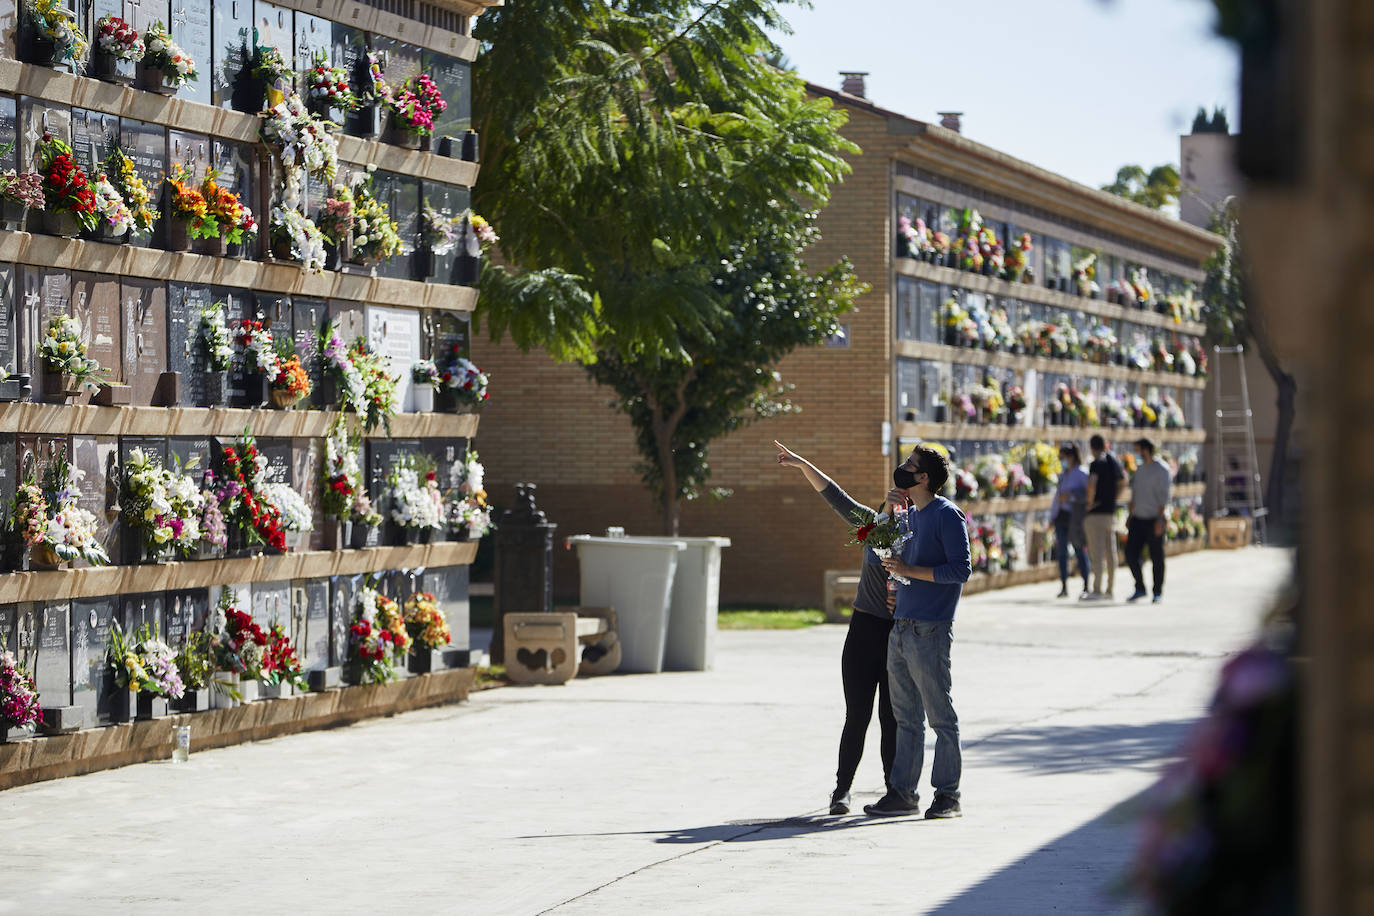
column 936, row 561
column 1104, row 485
column 1145, row 524
column 863, row 664
column 1068, row 511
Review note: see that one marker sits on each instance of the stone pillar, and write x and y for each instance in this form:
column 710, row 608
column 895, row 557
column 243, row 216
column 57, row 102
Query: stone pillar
column 524, row 565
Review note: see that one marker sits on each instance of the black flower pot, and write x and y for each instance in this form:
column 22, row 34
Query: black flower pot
column 63, row 224
column 467, row 269
column 112, row 69
column 471, row 147
column 357, row 538
column 326, row 112
column 423, row 262
column 941, row 413
column 365, row 122
column 36, row 48
column 249, row 94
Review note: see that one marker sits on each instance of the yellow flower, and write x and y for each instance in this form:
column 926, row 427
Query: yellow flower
column 149, row 514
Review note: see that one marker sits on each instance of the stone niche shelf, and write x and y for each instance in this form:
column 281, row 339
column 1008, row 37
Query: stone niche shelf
column 95, row 582
column 87, row 420
column 381, row 22
column 62, row 88
column 974, row 356
column 1029, row 292
column 1121, row 434
column 1018, row 504
column 262, row 276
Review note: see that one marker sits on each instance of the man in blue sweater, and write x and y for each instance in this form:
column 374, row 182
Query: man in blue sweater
column 936, row 560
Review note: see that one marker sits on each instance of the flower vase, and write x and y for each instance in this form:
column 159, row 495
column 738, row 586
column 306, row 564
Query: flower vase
column 59, row 387
column 249, row 94
column 177, row 233
column 197, row 700
column 12, row 215
column 104, row 232
column 410, row 536
column 365, row 122
column 156, row 79
column 112, row 69
column 36, row 48
column 150, row 706
column 397, row 135
column 61, row 223
column 426, row 143
column 359, row 535
column 281, row 250
column 423, row 262
column 275, row 691
column 337, row 534
column 223, row 686
column 326, row 112
column 283, row 399
column 43, row 556
column 296, row 541
column 941, row 413
column 336, row 255
column 424, row 398
column 248, row 690
column 215, row 246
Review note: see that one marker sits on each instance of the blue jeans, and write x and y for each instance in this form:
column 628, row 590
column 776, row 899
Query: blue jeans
column 1062, row 545
column 918, row 673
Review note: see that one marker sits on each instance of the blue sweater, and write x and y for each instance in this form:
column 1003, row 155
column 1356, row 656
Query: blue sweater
column 939, row 540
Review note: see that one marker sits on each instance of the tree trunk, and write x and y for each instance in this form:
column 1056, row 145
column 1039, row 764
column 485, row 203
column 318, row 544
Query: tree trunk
column 663, row 439
column 1274, row 494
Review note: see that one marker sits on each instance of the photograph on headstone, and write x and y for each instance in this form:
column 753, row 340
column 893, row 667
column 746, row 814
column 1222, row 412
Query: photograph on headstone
column 145, row 337
column 186, row 354
column 95, row 302
column 190, row 28
column 98, row 459
column 93, row 682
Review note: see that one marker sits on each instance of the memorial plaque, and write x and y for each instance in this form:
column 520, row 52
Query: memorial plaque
column 191, row 151
column 450, row 200
column 102, row 8
column 275, row 309
column 94, row 134
column 274, row 25
column 9, row 624
column 36, row 118
column 278, row 455
column 449, row 586
column 142, row 14
column 137, row 610
column 401, row 195
column 233, row 47
column 28, row 306
column 98, row 458
column 8, row 319
column 156, row 449
column 395, row 334
column 447, row 330
column 95, row 302
column 93, row 680
column 245, row 388
column 8, row 470
column 190, row 29
column 53, row 292
column 454, row 78
column 182, row 451
column 310, row 622
column 313, row 35
column 307, row 460
column 342, row 590
column 235, row 166
column 349, row 318
column 186, row 612
column 382, row 456
column 52, row 666
column 9, row 131
column 146, row 145
column 145, row 337
column 309, row 316
column 272, row 604
column 401, row 60
column 185, row 352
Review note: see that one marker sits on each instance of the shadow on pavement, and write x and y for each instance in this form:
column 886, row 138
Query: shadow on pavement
column 751, row 831
column 1081, row 748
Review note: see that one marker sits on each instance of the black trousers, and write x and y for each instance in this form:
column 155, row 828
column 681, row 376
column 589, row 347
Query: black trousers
column 863, row 667
column 1140, row 533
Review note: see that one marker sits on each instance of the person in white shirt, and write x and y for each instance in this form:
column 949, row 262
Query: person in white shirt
column 1145, row 525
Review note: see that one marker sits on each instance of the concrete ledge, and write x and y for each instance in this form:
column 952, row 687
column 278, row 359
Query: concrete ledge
column 39, row 759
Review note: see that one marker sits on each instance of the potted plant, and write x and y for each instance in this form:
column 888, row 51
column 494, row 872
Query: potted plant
column 19, row 193
column 290, row 384
column 49, row 35
column 376, row 235
column 66, row 367
column 70, row 202
column 412, row 109
column 19, row 707
column 165, row 67
column 118, row 50
column 188, row 217
column 327, row 91
column 425, row 380
column 428, row 630
column 336, row 225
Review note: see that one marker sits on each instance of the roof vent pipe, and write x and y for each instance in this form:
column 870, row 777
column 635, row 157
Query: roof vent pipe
column 950, row 120
column 854, row 83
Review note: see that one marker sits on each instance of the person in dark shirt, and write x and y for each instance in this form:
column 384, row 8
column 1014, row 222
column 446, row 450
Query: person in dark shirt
column 863, row 664
column 1104, row 485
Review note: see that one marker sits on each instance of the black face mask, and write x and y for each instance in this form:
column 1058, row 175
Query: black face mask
column 903, row 478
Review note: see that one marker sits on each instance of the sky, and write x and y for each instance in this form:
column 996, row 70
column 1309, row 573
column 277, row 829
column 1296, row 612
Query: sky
column 1079, row 87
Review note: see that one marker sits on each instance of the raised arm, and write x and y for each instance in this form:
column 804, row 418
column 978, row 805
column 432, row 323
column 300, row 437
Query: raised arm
column 845, row 506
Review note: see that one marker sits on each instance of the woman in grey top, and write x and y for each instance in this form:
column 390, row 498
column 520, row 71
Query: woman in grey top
column 863, row 664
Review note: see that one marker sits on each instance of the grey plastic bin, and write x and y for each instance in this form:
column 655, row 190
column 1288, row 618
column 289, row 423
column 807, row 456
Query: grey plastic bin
column 635, row 577
column 695, row 605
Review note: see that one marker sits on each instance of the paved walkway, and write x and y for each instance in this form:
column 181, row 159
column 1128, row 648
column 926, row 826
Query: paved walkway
column 679, row 793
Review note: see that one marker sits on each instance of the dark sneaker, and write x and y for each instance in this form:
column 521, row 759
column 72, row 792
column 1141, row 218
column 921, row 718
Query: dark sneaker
column 1137, row 594
column 943, row 806
column 839, row 802
column 893, row 805
column 1063, row 592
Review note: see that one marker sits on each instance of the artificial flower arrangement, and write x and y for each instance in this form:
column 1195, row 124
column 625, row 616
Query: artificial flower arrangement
column 485, row 232
column 253, row 339
column 53, row 22
column 416, row 501
column 881, row 533
column 1018, row 481
column 415, row 104
column 290, row 384
column 144, row 664
column 440, row 229
column 239, row 490
column 379, row 386
column 63, row 352
column 281, row 662
column 1017, row 260
column 238, row 645
column 1084, row 274
column 426, row 374
column 341, row 476
column 166, row 55
column 999, row 324
column 124, row 178
column 1184, row 362
column 468, row 511
column 913, row 238
column 300, row 139
column 50, row 521
column 119, row 40
column 1015, row 398
column 1160, row 358
column 342, row 371
column 1139, row 286
column 215, row 338
column 194, row 662
column 272, row 67
column 189, row 206
column 987, row 400
column 376, row 236
column 295, row 237
column 327, row 86
column 965, row 484
column 991, row 473
column 336, row 219
column 296, row 516
column 425, row 622
column 225, row 210
column 19, row 707
column 465, row 381
column 164, row 505
column 66, row 189
column 371, row 643
column 1199, row 356
column 1100, row 344
column 113, row 216
column 22, row 188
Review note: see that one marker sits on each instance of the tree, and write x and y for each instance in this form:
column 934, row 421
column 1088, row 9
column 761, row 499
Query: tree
column 1231, row 322
column 640, row 159
column 1218, row 123
column 1156, row 189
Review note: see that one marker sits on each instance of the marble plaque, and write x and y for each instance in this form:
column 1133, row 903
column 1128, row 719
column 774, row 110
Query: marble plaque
column 272, row 604
column 8, row 470
column 395, row 333
column 233, row 47
column 9, row 131
column 93, row 681
column 349, row 318
column 454, row 78
column 278, row 454
column 94, row 134
column 401, row 195
column 28, row 305
column 274, row 26
column 453, row 200
column 190, row 29
column 309, row 316
column 98, row 458
column 52, row 666
column 245, row 388
column 186, row 612
column 449, row 335
column 235, row 166
column 313, row 35
column 137, row 610
column 8, row 318
column 102, row 8
column 155, row 448
column 143, row 13
column 342, row 590
column 449, row 586
column 401, row 60
column 37, row 117
column 54, row 297
column 185, row 352
column 382, row 454
column 307, row 460
column 95, row 301
column 310, row 622
column 146, row 145
column 9, row 623
column 181, row 451
column 145, row 336
column 191, row 151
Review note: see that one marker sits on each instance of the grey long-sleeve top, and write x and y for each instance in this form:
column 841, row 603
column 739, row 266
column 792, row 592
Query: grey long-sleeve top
column 872, row 596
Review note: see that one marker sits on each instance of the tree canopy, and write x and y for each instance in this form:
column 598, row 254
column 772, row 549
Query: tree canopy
column 1155, row 189
column 1218, row 123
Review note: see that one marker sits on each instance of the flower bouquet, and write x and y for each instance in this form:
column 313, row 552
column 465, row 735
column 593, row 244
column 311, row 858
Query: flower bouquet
column 257, row 350
column 114, row 219
column 19, row 706
column 124, row 178
column 215, row 339
column 335, row 223
column 1017, row 261
column 992, row 476
column 163, row 505
column 372, row 639
column 881, row 533
column 281, row 662
column 226, row 213
column 343, row 380
column 66, row 367
column 188, row 214
column 379, row 401
column 413, row 108
column 146, row 668
column 71, row 204
column 965, row 484
column 428, row 630
column 196, row 668
column 1084, row 271
column 417, row 505
column 469, row 516
column 269, row 82
column 327, row 89
column 1018, row 481
column 300, row 139
column 238, row 488
column 51, row 36
column 376, row 236
column 19, row 193
column 290, row 384
column 297, row 520
column 166, row 67
column 340, row 484
column 465, row 383
column 424, row 381
column 1015, row 398
column 118, row 50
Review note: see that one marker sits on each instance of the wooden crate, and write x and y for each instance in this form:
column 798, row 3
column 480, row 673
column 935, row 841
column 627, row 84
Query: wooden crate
column 1228, row 533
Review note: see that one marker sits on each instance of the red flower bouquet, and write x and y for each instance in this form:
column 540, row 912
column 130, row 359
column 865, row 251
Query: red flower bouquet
column 66, row 188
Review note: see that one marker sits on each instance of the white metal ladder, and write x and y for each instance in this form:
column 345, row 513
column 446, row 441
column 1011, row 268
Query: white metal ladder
column 1235, row 468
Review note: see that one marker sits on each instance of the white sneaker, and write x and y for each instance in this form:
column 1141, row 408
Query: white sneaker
column 1089, row 596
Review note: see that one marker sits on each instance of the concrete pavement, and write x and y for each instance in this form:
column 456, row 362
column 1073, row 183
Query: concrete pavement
column 676, row 793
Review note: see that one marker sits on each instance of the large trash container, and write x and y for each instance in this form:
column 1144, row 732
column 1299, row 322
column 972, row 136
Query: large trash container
column 696, row 601
column 634, row 576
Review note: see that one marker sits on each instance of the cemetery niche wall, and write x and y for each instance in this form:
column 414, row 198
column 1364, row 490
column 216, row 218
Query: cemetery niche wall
column 235, row 395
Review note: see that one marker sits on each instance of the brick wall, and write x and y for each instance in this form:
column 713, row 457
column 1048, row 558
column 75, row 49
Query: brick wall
column 548, row 423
